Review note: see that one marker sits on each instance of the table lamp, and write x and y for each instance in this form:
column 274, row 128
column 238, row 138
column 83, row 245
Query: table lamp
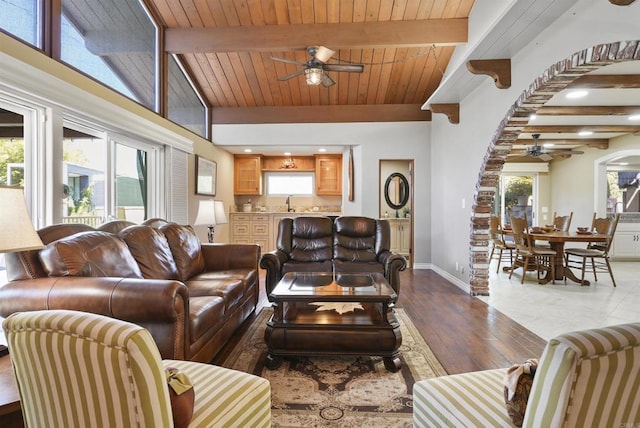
column 210, row 213
column 17, row 232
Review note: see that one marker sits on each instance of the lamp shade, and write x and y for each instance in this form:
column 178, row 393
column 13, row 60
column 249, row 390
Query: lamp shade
column 17, row 232
column 220, row 214
column 206, row 213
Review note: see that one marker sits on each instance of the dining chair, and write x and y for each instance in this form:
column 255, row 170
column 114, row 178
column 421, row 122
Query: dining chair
column 562, row 223
column 499, row 246
column 527, row 252
column 596, row 252
column 78, row 369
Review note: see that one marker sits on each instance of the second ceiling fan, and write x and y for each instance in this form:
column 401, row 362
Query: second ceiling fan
column 315, row 69
column 541, row 152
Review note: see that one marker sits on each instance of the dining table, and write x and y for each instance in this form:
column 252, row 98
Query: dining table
column 557, row 240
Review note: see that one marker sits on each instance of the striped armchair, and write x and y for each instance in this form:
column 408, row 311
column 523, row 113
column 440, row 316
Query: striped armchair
column 585, row 378
column 76, row 369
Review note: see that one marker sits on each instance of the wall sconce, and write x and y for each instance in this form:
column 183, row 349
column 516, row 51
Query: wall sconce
column 211, row 213
column 313, row 75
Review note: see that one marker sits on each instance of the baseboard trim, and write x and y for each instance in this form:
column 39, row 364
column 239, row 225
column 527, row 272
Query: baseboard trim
column 446, row 275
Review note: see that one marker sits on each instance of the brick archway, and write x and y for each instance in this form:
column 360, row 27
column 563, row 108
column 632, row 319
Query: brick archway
column 552, row 81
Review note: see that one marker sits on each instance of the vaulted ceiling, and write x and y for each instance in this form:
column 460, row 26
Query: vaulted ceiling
column 405, row 45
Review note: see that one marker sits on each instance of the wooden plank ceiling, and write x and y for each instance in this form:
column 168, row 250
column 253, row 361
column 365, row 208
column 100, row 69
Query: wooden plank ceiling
column 405, row 45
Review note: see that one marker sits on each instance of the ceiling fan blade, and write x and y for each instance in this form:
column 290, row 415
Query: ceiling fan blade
column 568, row 152
column 349, row 68
column 288, row 61
column 290, row 75
column 327, row 80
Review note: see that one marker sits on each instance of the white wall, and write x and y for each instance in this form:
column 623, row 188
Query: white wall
column 574, row 182
column 371, row 142
column 457, row 150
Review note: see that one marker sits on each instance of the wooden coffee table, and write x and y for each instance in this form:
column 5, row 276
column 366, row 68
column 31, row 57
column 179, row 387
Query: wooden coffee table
column 298, row 327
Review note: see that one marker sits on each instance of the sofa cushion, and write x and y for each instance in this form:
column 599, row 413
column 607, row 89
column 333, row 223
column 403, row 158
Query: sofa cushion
column 230, row 289
column 185, row 247
column 205, row 313
column 355, row 239
column 311, row 239
column 91, row 253
column 151, row 250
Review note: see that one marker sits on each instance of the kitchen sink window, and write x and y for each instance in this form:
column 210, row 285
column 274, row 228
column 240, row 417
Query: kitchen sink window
column 285, row 183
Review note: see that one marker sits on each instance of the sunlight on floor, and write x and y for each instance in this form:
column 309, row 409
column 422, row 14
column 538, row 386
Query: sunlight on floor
column 551, row 309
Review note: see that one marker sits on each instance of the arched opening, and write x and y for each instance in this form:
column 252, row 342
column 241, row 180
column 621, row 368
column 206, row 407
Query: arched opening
column 555, row 78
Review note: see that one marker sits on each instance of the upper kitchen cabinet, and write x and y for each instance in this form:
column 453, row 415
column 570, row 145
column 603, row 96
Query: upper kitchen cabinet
column 329, row 175
column 247, row 175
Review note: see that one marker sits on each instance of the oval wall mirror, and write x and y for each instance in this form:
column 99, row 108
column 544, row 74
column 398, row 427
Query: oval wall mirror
column 396, row 191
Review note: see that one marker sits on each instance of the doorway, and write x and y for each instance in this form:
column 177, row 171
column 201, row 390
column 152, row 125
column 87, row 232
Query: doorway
column 395, row 198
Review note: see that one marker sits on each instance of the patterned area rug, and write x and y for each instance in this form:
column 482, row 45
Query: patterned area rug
column 338, row 391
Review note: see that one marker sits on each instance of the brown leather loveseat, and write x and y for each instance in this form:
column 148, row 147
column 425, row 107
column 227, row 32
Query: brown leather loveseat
column 191, row 296
column 319, row 244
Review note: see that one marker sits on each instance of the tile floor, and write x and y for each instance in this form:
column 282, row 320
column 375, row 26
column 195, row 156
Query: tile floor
column 551, row 309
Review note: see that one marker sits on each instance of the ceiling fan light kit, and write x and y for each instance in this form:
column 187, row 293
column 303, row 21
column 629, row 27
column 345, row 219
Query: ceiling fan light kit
column 315, row 69
column 314, row 76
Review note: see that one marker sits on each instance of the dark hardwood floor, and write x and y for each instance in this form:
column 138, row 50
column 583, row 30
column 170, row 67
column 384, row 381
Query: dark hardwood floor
column 463, row 332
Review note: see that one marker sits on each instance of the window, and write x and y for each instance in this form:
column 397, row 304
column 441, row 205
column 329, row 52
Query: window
column 84, row 166
column 131, row 183
column 185, row 107
column 113, row 43
column 20, row 18
column 282, row 183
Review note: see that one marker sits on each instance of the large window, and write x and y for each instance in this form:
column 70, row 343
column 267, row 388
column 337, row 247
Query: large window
column 185, row 107
column 21, row 18
column 114, row 42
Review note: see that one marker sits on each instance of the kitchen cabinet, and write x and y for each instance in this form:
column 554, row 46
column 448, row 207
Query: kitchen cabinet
column 400, row 236
column 247, row 177
column 329, row 175
column 626, row 242
column 250, row 228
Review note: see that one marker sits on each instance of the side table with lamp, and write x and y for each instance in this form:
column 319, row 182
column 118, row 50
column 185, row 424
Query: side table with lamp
column 210, row 214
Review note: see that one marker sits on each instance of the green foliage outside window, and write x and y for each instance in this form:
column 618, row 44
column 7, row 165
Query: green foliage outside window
column 517, row 187
column 11, row 152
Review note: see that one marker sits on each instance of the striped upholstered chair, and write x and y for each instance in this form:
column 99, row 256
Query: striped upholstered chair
column 76, row 369
column 587, row 378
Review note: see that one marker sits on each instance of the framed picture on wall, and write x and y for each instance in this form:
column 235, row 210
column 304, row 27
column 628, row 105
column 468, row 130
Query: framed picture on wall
column 206, row 171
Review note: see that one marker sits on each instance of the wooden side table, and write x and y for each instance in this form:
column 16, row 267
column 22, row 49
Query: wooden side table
column 10, row 411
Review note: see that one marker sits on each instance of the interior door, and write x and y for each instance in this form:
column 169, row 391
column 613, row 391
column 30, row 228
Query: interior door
column 396, row 203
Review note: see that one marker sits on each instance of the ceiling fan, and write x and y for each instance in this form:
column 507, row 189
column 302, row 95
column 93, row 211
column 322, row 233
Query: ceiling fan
column 538, row 151
column 315, row 69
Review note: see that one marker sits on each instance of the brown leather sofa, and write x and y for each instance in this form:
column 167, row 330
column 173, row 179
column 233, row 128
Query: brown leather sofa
column 191, row 296
column 318, row 244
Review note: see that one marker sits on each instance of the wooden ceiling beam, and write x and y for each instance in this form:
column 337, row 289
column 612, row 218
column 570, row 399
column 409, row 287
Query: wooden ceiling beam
column 321, row 114
column 606, row 81
column 588, row 110
column 574, row 129
column 361, row 35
